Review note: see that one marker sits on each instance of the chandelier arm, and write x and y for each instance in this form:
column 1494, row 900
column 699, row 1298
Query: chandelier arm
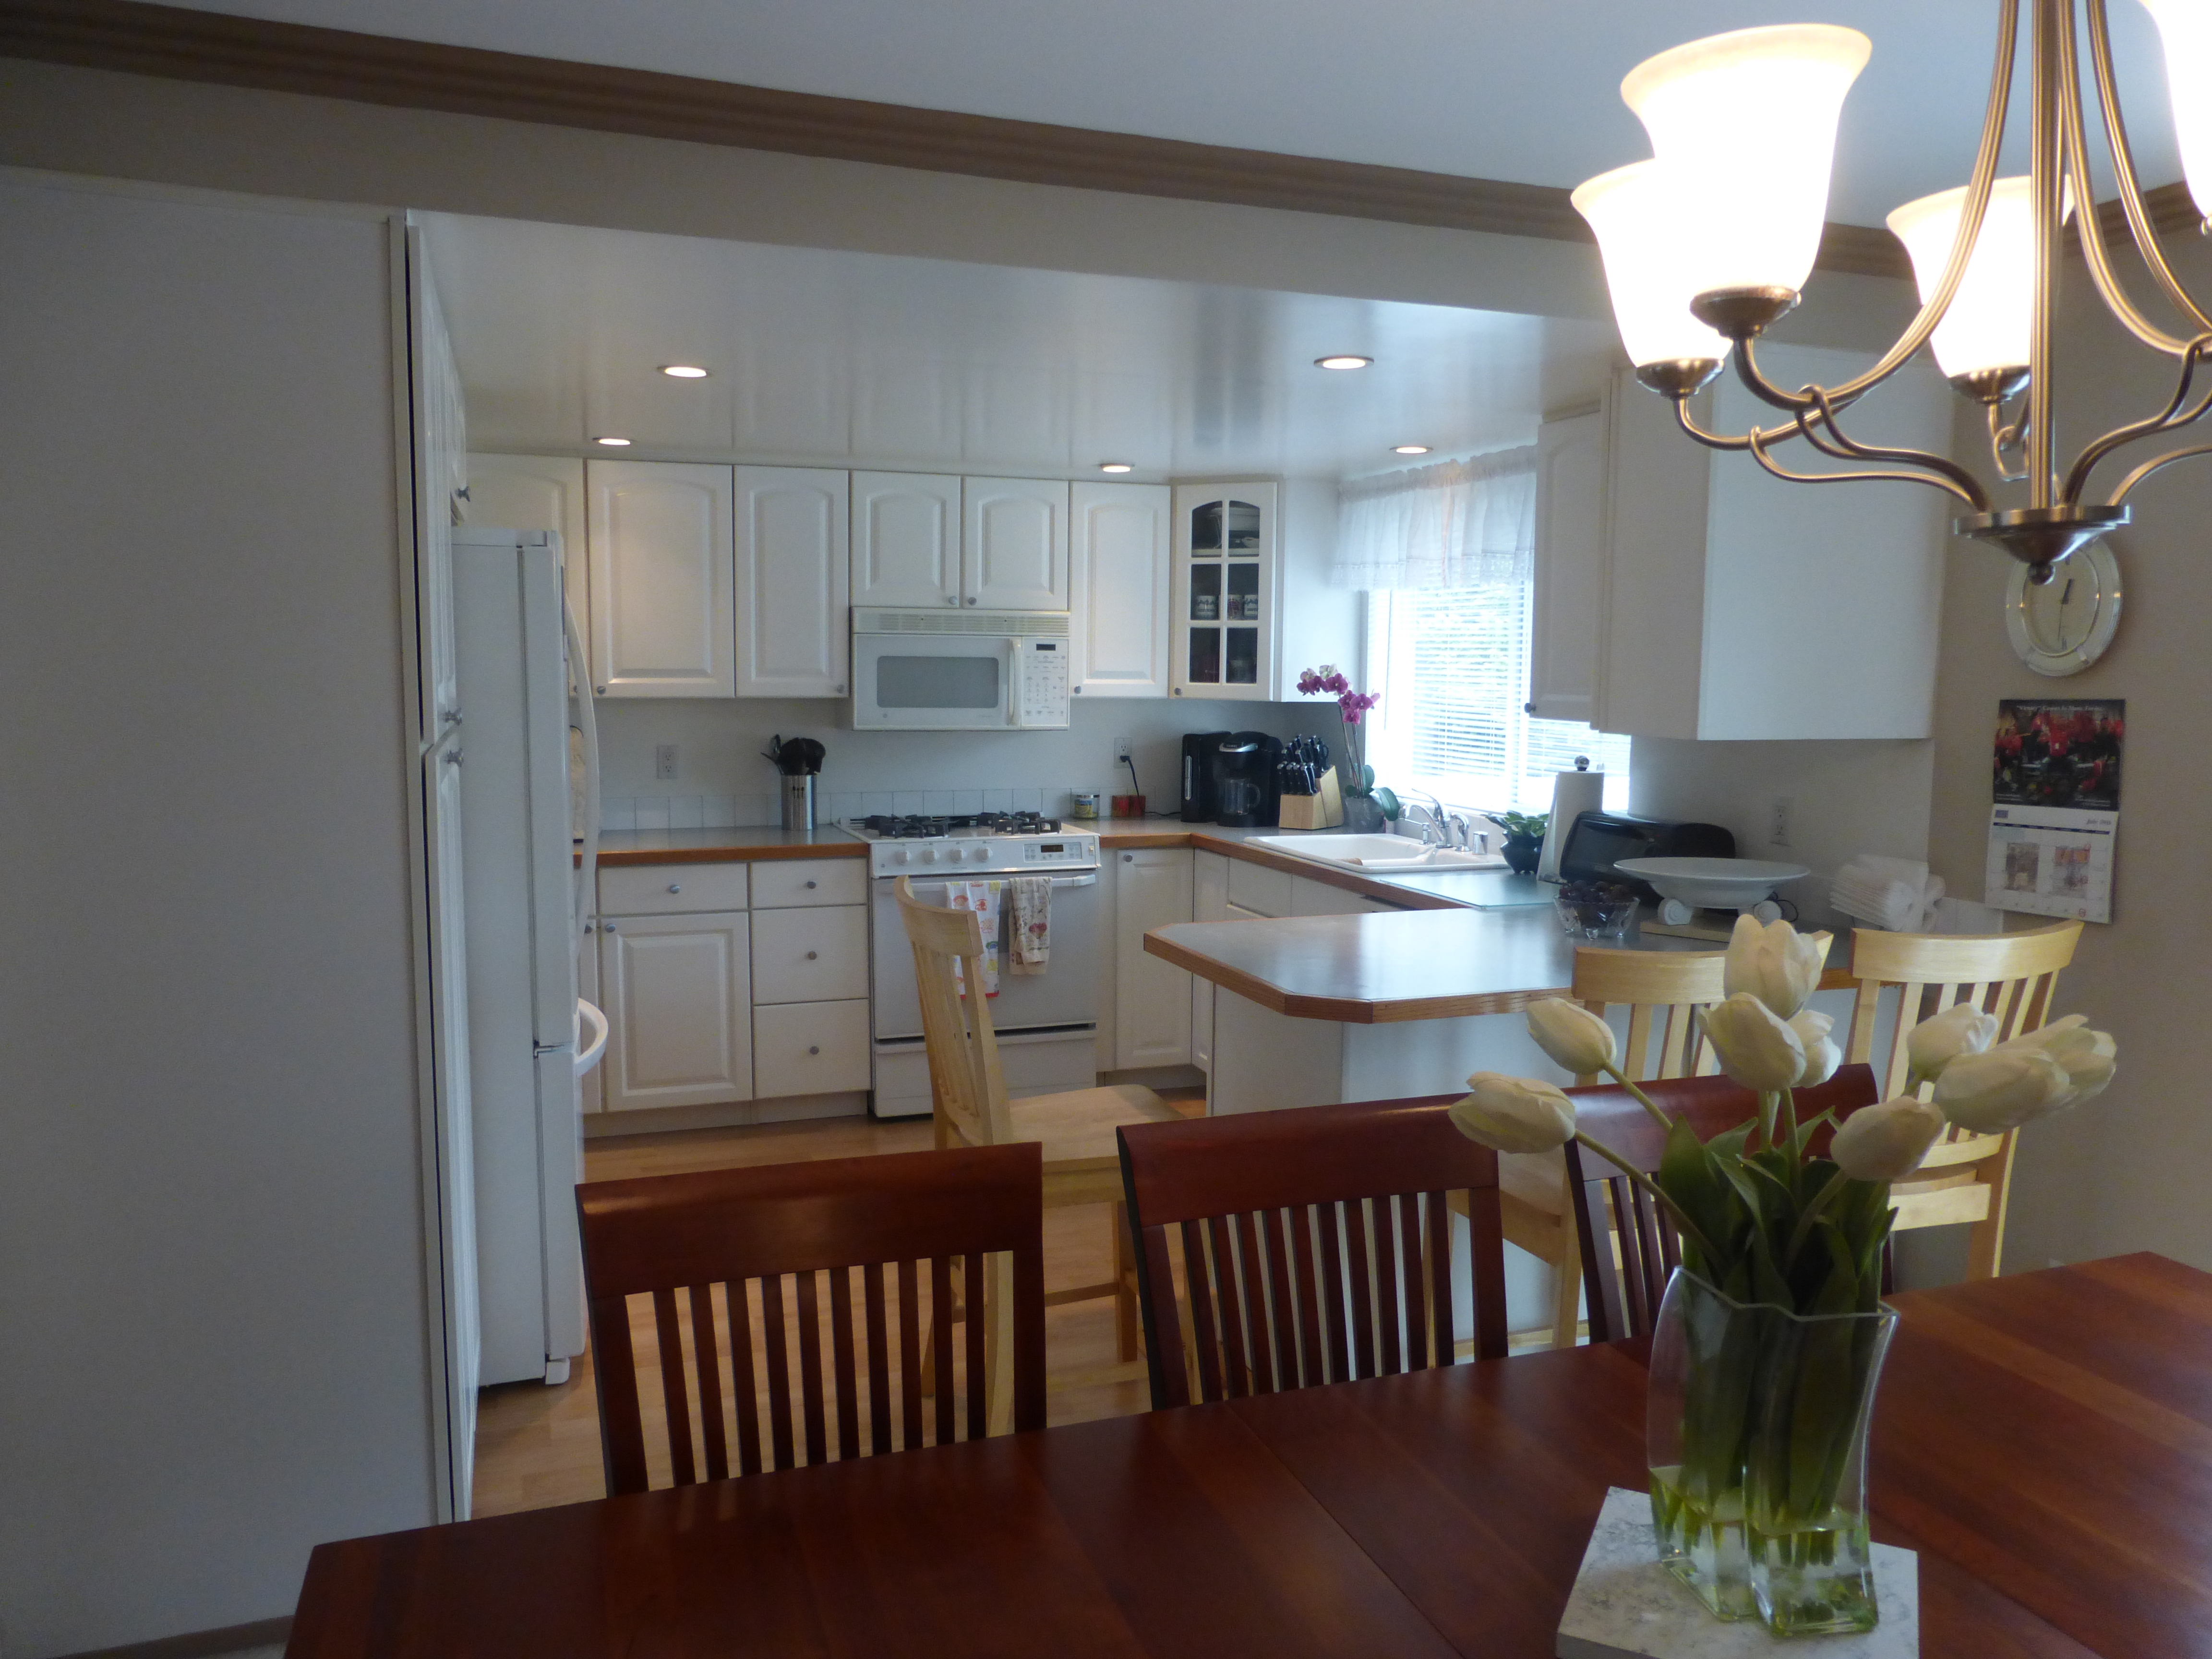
column 2002, row 437
column 1979, row 184
column 1758, row 441
column 2094, row 253
column 2123, row 171
column 2153, row 465
column 2164, row 420
column 1957, row 479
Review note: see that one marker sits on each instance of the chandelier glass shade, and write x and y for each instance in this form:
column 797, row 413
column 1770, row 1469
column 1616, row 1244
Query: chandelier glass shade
column 1710, row 241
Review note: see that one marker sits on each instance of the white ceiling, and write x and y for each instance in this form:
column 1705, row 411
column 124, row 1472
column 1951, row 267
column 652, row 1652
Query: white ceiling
column 1484, row 88
column 843, row 358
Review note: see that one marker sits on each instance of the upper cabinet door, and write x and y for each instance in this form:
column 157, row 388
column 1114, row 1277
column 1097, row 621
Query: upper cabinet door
column 793, row 577
column 906, row 540
column 1118, row 564
column 1227, row 584
column 537, row 492
column 661, row 553
column 1571, row 551
column 1014, row 544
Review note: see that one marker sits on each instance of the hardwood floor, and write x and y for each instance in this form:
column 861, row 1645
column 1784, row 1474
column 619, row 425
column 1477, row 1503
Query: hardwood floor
column 538, row 1446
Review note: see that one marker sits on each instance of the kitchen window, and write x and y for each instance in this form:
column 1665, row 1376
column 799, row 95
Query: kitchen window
column 1447, row 555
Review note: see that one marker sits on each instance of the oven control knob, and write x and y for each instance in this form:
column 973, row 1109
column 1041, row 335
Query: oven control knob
column 981, row 855
column 898, row 855
column 928, row 855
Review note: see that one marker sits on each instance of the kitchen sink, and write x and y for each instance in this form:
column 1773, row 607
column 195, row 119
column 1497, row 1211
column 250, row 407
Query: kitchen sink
column 1371, row 852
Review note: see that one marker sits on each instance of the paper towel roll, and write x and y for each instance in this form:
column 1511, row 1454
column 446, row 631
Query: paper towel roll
column 1572, row 794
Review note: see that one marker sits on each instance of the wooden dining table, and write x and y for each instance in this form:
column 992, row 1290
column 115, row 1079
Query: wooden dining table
column 2043, row 1441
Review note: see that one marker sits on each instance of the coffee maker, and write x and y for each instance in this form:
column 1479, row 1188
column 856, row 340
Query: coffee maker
column 1201, row 759
column 1246, row 793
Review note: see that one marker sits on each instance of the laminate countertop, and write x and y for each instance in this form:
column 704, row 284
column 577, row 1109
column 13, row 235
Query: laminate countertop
column 742, row 845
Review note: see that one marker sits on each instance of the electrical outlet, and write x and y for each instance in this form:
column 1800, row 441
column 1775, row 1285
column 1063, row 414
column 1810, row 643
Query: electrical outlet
column 1120, row 749
column 1777, row 821
column 664, row 762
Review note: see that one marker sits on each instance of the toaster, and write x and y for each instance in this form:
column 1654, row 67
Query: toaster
column 1597, row 841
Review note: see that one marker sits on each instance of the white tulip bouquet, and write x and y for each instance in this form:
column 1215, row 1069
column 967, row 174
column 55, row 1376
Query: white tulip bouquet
column 1759, row 1428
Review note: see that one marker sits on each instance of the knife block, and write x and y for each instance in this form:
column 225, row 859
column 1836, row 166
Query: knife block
column 1322, row 811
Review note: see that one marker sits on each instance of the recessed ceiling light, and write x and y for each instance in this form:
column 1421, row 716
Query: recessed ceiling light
column 683, row 371
column 613, row 443
column 1342, row 359
column 1410, row 449
column 1116, row 466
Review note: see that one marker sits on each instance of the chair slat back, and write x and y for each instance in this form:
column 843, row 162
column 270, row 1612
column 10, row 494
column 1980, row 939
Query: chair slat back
column 1623, row 1296
column 966, row 1084
column 1665, row 992
column 2012, row 975
column 1314, row 1245
column 731, row 1265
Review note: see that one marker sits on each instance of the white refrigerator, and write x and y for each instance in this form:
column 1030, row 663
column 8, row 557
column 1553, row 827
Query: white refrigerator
column 524, row 891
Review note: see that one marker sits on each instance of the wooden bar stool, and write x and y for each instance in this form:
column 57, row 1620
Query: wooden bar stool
column 1967, row 1177
column 1082, row 1164
column 1664, row 992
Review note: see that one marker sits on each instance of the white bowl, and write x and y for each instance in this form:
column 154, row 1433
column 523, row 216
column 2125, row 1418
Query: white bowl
column 1721, row 883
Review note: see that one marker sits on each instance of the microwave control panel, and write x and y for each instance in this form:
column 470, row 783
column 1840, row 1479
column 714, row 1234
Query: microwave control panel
column 1040, row 683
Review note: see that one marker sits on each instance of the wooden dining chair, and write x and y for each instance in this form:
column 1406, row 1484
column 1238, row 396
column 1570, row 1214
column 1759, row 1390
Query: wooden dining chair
column 721, row 1253
column 1074, row 1130
column 1664, row 993
column 1315, row 1246
column 1625, row 1276
column 1967, row 1177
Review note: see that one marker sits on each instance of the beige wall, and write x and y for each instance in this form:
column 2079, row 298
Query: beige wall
column 2127, row 1172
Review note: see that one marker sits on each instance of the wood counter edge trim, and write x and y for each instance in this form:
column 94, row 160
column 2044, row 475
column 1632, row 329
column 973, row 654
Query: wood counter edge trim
column 1342, row 1011
column 177, row 43
column 635, row 855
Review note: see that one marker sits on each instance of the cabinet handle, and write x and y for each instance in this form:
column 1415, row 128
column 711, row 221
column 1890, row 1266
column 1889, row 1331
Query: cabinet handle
column 815, row 1050
column 599, row 691
column 453, row 758
column 1128, row 858
column 840, row 690
column 810, row 955
column 971, row 601
column 810, row 886
column 675, row 886
column 606, row 928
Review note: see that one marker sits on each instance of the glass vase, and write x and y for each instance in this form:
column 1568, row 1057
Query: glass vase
column 1363, row 815
column 1756, row 1435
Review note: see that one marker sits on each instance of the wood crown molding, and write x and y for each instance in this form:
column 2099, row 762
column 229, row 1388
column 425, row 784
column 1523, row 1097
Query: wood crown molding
column 171, row 41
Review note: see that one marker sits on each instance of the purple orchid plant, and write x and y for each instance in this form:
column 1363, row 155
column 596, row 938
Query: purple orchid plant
column 1327, row 680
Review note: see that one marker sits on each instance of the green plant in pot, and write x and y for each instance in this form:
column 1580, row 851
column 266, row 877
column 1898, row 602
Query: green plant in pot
column 1367, row 807
column 1524, row 838
column 1771, row 1338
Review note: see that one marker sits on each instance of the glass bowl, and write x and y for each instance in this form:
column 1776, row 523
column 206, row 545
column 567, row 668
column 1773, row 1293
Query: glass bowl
column 1595, row 909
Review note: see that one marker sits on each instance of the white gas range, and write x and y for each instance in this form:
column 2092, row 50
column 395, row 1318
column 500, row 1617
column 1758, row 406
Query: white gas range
column 1047, row 1024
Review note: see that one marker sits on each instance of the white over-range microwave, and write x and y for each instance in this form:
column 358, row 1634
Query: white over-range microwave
column 961, row 670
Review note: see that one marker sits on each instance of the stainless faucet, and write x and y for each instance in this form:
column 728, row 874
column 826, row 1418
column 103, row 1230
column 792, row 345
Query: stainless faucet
column 1433, row 820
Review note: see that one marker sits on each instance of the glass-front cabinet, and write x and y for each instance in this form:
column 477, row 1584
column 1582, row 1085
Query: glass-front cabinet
column 1227, row 589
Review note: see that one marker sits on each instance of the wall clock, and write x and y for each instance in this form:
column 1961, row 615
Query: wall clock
column 2062, row 626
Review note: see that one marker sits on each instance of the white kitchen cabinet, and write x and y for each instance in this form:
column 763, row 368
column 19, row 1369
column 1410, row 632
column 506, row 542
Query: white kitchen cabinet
column 1738, row 605
column 811, row 1048
column 779, row 883
column 1209, row 902
column 793, row 575
column 906, row 540
column 440, row 467
column 662, row 579
column 679, row 1010
column 1013, row 543
column 1569, row 584
column 1319, row 898
column 816, row 955
column 1258, row 890
column 1151, row 998
column 1251, row 601
column 1119, row 564
column 537, row 492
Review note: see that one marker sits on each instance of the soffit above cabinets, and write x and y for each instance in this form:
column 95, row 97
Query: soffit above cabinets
column 838, row 358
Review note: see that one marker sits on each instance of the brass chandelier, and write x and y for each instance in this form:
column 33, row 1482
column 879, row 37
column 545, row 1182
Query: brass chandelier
column 1708, row 244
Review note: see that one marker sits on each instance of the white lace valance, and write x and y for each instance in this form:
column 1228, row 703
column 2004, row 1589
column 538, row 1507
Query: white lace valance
column 1455, row 524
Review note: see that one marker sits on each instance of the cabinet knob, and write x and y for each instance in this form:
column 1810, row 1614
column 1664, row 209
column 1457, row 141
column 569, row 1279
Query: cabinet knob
column 675, row 886
column 971, row 600
column 810, row 955
column 810, row 886
column 1128, row 858
column 453, row 758
column 606, row 928
column 599, row 691
column 840, row 690
column 815, row 1050
column 951, row 599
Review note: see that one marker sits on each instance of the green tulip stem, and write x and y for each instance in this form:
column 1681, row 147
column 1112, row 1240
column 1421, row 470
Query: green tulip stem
column 1643, row 1100
column 1821, row 1199
column 1682, row 1220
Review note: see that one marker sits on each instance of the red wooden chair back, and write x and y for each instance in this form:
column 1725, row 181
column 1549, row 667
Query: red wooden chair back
column 1316, row 1245
column 1623, row 1299
column 720, row 1253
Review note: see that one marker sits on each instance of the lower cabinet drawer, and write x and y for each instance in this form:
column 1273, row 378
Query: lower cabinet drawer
column 810, row 1048
column 819, row 955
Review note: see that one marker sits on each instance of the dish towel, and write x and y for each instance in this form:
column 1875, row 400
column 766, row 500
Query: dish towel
column 981, row 897
column 1031, row 930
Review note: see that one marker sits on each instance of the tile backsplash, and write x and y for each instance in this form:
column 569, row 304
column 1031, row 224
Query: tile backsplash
column 627, row 813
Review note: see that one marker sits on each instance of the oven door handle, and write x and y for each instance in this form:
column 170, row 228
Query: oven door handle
column 1090, row 880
